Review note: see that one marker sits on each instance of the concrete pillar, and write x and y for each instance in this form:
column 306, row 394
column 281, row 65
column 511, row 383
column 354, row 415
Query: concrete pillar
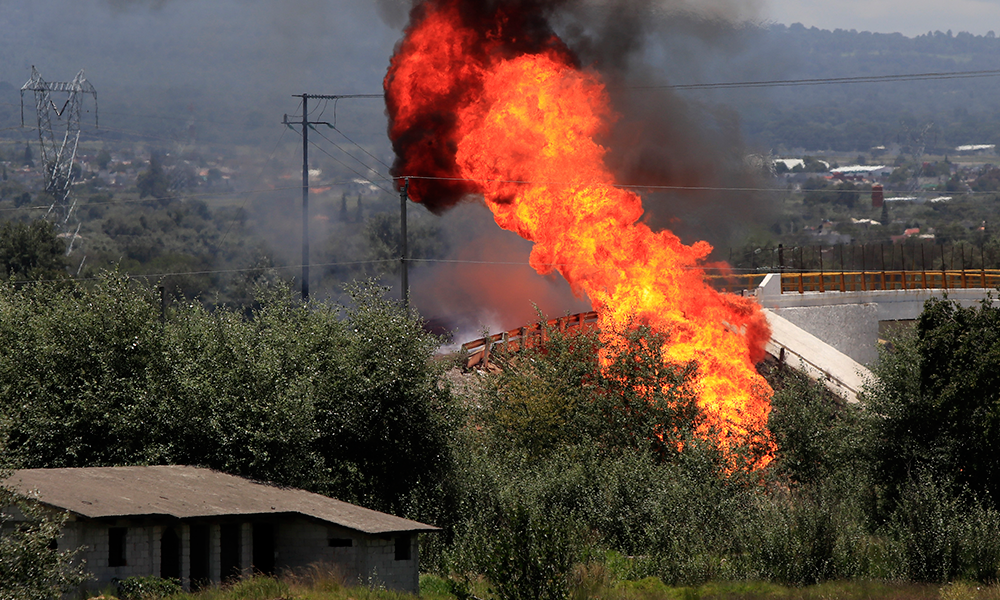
column 185, row 531
column 155, row 539
column 214, row 548
column 246, row 548
column 364, row 560
column 768, row 293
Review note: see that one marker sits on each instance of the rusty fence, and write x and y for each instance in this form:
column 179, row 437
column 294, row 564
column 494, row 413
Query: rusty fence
column 529, row 336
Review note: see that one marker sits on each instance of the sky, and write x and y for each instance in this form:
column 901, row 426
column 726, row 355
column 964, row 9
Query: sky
column 909, row 17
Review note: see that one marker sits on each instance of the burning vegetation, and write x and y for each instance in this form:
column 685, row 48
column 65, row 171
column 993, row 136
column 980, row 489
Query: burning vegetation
column 484, row 99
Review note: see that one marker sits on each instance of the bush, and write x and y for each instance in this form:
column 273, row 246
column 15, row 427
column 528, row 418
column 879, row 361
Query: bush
column 933, row 407
column 816, row 434
column 613, row 390
column 524, row 555
column 941, row 534
column 30, row 568
column 147, row 588
column 791, row 538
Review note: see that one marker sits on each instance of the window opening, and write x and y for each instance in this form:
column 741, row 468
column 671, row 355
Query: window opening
column 402, row 547
column 116, row 546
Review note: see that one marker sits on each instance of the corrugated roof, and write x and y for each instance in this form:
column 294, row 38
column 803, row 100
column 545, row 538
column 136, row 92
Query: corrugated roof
column 190, row 492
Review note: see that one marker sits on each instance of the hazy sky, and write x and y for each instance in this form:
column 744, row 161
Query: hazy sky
column 909, row 17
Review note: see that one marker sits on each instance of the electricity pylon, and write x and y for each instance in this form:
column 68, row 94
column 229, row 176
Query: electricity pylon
column 62, row 102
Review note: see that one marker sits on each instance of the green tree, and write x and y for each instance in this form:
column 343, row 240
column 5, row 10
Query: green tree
column 31, row 251
column 103, row 159
column 559, row 393
column 935, row 404
column 382, row 234
column 384, row 420
column 30, row 567
column 91, row 375
column 153, row 181
column 815, row 432
column 820, row 191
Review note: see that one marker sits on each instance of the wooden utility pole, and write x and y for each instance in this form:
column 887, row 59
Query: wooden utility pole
column 305, row 123
column 404, row 270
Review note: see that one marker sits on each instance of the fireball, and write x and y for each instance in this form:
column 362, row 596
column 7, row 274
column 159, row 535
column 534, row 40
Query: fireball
column 483, row 99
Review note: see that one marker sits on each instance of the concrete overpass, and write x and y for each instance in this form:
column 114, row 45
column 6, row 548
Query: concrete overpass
column 826, row 323
column 830, row 323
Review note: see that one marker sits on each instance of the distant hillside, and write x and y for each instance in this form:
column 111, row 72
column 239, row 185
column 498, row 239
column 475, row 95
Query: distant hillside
column 224, row 72
column 937, row 114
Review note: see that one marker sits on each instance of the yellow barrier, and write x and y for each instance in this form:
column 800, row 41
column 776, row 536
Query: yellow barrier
column 861, row 281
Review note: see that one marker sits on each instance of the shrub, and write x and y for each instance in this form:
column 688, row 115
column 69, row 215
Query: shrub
column 934, row 403
column 147, row 588
column 941, row 533
column 524, row 555
column 30, row 569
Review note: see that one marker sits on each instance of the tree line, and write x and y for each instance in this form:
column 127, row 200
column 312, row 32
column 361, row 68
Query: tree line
column 559, row 469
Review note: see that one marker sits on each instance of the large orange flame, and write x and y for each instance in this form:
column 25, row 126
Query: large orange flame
column 484, row 111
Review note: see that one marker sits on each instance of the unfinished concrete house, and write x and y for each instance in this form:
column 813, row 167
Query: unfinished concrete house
column 203, row 527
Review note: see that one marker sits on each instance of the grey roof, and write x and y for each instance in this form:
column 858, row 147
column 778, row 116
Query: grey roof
column 190, row 492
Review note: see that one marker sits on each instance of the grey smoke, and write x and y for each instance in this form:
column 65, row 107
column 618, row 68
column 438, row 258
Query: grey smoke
column 666, row 138
column 230, row 67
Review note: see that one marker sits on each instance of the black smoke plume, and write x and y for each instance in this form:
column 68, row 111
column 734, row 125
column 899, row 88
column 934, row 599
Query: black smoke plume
column 684, row 148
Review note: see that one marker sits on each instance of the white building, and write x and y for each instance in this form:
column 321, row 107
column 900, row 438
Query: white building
column 201, row 526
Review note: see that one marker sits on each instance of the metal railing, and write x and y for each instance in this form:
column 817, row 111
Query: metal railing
column 735, row 284
column 862, row 281
column 529, row 336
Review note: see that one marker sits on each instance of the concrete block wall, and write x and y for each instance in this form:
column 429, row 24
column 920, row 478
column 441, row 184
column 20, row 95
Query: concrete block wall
column 185, row 533
column 139, row 550
column 246, row 549
column 301, row 543
column 214, row 548
column 380, row 567
column 370, row 560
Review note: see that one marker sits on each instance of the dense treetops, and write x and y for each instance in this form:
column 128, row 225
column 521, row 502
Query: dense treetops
column 553, row 460
column 316, row 396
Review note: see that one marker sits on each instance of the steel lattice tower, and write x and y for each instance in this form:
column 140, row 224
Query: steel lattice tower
column 62, row 102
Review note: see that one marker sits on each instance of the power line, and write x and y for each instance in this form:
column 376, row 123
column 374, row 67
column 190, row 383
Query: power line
column 828, row 80
column 144, row 200
column 782, row 190
column 361, row 148
column 704, row 268
column 349, row 168
column 358, row 160
column 211, row 271
column 888, row 78
column 694, row 188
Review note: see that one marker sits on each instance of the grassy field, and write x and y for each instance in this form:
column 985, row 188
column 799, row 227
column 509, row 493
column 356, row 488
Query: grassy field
column 587, row 586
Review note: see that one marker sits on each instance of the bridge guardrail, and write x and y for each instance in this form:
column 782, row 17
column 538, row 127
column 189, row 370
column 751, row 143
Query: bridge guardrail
column 529, row 336
column 861, row 281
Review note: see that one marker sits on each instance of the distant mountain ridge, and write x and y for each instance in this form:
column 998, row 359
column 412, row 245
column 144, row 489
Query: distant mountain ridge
column 935, row 114
column 225, row 72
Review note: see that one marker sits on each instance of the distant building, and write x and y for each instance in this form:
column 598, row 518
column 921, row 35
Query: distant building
column 790, row 163
column 201, row 526
column 861, row 172
column 977, row 148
